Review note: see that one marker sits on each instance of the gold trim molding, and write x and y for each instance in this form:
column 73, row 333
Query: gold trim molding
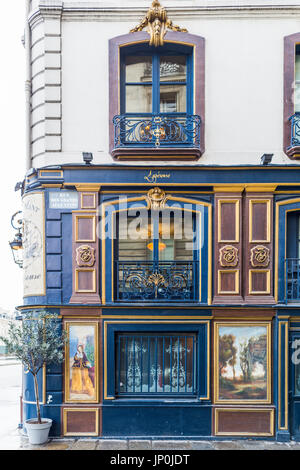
column 157, row 22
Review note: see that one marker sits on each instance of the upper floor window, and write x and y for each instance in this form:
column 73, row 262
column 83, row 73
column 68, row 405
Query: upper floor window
column 297, row 79
column 292, row 95
column 158, row 100
column 157, row 82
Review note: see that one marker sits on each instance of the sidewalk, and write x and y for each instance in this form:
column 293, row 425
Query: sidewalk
column 8, row 361
column 16, row 441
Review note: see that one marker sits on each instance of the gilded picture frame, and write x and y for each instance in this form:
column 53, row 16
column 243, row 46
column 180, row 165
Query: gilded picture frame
column 81, row 362
column 242, row 363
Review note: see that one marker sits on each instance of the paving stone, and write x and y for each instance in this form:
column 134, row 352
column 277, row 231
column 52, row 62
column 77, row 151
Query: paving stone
column 104, row 444
column 277, row 446
column 52, row 445
column 82, row 444
column 227, row 445
column 139, row 445
column 250, row 445
column 201, row 445
column 171, row 445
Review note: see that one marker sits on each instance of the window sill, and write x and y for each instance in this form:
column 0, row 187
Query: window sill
column 160, row 153
column 293, row 152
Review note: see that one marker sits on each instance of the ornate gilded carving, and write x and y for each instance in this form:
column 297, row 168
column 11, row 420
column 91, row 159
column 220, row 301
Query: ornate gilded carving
column 157, row 22
column 85, row 255
column 156, row 198
column 260, row 256
column 228, row 256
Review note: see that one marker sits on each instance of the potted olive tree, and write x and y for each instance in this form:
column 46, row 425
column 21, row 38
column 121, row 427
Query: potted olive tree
column 37, row 342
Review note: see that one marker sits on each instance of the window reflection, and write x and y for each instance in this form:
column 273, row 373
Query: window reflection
column 138, row 69
column 173, row 68
column 138, row 99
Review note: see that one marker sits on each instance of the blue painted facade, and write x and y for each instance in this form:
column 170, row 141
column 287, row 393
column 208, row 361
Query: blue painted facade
column 162, row 416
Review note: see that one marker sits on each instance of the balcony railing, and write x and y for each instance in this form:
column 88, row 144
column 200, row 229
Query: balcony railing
column 161, row 281
column 157, row 130
column 295, row 130
column 292, row 280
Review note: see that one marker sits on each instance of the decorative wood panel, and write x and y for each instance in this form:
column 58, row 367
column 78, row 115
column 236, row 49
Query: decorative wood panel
column 259, row 220
column 228, row 281
column 81, row 421
column 243, row 422
column 86, row 250
column 228, row 247
column 88, row 200
column 258, row 265
column 259, row 281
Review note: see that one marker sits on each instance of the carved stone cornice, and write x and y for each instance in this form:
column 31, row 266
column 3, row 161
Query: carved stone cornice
column 105, row 11
column 47, row 9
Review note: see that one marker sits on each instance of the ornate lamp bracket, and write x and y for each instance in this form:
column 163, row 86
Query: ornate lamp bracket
column 157, row 22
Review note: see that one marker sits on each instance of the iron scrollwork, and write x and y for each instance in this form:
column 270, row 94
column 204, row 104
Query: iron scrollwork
column 156, row 281
column 295, row 130
column 157, row 130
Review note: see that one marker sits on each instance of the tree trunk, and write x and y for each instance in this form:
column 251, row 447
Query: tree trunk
column 36, row 391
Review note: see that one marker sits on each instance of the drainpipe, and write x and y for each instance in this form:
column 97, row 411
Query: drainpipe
column 27, row 88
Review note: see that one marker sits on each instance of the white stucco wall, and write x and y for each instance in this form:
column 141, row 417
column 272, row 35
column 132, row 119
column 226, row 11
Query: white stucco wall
column 244, row 76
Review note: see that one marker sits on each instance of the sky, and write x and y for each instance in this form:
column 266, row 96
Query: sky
column 12, row 139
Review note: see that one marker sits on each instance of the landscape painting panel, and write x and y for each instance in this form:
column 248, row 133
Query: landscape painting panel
column 243, row 363
column 82, row 363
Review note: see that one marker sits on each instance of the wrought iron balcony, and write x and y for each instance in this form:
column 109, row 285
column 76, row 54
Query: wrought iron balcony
column 295, row 130
column 161, row 281
column 293, row 150
column 292, row 280
column 157, row 131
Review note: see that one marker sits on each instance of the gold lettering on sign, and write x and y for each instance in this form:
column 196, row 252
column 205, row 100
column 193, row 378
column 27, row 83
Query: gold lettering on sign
column 157, row 22
column 228, row 256
column 260, row 256
column 153, row 177
column 85, row 255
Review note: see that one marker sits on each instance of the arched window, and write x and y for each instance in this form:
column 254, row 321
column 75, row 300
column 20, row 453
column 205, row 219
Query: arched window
column 292, row 261
column 157, row 260
column 157, row 103
column 157, row 80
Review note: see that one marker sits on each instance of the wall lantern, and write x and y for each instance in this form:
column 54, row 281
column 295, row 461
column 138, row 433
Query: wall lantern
column 16, row 244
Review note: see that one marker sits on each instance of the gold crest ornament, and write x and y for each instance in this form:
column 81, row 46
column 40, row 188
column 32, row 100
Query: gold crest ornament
column 228, row 256
column 157, row 22
column 260, row 256
column 85, row 255
column 156, row 198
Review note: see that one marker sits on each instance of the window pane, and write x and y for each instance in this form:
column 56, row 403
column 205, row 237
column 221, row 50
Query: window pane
column 297, row 65
column 173, row 99
column 138, row 69
column 156, row 363
column 134, row 236
column 176, row 233
column 297, row 379
column 297, row 97
column 138, row 99
column 298, row 238
column 173, row 69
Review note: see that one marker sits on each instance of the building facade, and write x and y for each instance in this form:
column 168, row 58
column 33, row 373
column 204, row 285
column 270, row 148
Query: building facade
column 162, row 213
